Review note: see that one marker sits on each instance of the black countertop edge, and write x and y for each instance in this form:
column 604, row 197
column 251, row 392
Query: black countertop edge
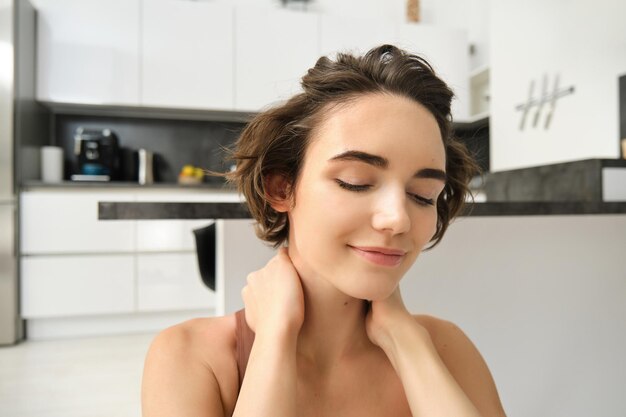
column 162, row 211
column 190, row 211
column 544, row 208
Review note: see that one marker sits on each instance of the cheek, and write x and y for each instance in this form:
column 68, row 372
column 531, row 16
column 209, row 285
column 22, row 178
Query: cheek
column 424, row 227
column 433, row 224
column 324, row 218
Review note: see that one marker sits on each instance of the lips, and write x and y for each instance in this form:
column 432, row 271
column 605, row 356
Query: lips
column 380, row 256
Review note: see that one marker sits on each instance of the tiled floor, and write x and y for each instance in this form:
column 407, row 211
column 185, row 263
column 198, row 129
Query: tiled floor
column 73, row 378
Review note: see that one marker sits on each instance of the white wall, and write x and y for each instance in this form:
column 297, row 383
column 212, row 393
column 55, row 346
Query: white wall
column 583, row 42
column 544, row 299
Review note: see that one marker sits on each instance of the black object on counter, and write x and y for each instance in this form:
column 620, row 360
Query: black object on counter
column 205, row 250
column 97, row 151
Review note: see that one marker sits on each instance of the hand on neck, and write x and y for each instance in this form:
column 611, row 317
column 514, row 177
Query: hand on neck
column 334, row 322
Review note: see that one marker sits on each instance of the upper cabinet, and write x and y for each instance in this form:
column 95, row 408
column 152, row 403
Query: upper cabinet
column 554, row 75
column 363, row 35
column 273, row 50
column 447, row 51
column 212, row 55
column 187, row 55
column 88, row 51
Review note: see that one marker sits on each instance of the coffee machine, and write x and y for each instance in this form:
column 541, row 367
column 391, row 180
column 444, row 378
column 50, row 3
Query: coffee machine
column 98, row 155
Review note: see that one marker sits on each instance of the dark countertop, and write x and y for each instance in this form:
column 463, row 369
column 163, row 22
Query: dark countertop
column 582, row 180
column 182, row 210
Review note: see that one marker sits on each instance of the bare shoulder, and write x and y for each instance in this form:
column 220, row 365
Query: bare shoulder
column 465, row 363
column 190, row 370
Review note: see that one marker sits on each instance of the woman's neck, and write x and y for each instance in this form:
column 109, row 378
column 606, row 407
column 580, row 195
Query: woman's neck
column 334, row 323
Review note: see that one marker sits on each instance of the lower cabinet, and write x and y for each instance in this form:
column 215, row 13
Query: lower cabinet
column 78, row 273
column 62, row 286
column 171, row 281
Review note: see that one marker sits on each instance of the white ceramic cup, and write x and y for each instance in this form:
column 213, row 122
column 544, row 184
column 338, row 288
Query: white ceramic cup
column 51, row 164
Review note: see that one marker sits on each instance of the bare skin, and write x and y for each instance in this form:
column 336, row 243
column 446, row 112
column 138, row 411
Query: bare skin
column 186, row 362
column 320, row 349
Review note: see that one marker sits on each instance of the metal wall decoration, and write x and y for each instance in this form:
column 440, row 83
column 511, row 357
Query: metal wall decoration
column 546, row 100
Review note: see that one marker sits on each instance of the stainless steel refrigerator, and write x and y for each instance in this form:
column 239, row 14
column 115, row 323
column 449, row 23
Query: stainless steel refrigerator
column 21, row 124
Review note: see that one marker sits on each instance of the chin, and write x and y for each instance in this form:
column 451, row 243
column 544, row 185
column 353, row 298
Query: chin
column 371, row 293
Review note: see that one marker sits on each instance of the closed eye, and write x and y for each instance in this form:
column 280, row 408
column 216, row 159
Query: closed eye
column 352, row 187
column 422, row 200
column 360, row 188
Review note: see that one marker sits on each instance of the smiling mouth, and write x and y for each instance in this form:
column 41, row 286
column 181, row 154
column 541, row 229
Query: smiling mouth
column 380, row 256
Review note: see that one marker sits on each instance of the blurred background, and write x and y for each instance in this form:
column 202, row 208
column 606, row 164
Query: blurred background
column 131, row 100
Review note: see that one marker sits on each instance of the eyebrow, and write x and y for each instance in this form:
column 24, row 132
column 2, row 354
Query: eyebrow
column 380, row 162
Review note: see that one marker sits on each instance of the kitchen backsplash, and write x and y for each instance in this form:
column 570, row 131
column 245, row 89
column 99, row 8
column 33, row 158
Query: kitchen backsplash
column 175, row 143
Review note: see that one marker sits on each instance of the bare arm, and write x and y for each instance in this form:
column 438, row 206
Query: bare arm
column 430, row 385
column 455, row 383
column 174, row 383
column 467, row 366
column 269, row 386
column 275, row 311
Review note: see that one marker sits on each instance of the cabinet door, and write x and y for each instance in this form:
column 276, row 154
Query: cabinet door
column 54, row 222
column 538, row 49
column 447, row 50
column 273, row 50
column 88, row 51
column 363, row 34
column 61, row 286
column 187, row 54
column 171, row 281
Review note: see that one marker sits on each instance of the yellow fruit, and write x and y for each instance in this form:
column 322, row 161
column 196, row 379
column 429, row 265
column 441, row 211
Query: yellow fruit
column 187, row 171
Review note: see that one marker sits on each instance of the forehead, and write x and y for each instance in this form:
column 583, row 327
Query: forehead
column 388, row 125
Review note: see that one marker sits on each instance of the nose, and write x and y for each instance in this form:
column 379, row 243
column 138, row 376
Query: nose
column 391, row 213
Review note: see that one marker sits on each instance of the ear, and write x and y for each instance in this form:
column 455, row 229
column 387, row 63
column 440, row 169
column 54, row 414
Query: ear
column 277, row 190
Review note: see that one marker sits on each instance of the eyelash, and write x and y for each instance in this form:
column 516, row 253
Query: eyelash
column 360, row 188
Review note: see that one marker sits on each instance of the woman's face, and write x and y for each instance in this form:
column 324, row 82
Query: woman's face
column 366, row 196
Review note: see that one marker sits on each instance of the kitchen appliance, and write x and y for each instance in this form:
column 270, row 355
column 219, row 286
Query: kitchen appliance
column 17, row 104
column 51, row 164
column 145, row 170
column 98, row 154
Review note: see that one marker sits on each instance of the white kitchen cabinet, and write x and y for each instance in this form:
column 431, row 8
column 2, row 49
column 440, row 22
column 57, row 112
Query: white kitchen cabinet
column 61, row 286
column 363, row 35
column 211, row 55
column 171, row 281
column 168, row 235
column 539, row 49
column 53, row 222
column 273, row 50
column 187, row 54
column 447, row 51
column 81, row 275
column 88, row 51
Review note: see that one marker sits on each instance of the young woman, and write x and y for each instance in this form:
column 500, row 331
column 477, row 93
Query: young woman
column 353, row 177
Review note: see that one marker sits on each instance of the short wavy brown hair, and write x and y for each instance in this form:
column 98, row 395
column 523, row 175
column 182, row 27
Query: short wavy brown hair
column 275, row 141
